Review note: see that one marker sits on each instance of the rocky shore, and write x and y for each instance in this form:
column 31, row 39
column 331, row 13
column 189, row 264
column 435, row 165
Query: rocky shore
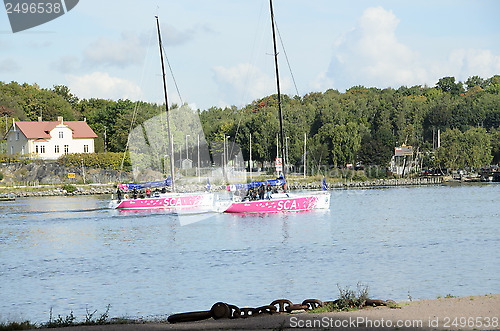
column 54, row 190
column 10, row 192
column 371, row 183
column 7, row 192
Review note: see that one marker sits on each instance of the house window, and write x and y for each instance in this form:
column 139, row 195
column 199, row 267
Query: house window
column 11, row 149
column 56, row 149
column 66, row 149
column 61, row 134
column 42, row 149
column 17, row 135
column 85, row 148
column 36, row 149
column 23, row 150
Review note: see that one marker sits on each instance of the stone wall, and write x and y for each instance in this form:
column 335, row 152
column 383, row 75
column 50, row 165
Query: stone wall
column 46, row 172
column 371, row 183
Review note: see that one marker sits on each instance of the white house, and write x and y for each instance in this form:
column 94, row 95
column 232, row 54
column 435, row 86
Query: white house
column 50, row 140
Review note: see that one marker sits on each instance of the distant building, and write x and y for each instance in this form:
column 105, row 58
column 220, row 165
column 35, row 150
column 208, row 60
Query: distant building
column 50, row 140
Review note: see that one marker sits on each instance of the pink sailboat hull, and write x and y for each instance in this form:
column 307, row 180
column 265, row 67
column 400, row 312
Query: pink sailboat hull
column 295, row 202
column 168, row 201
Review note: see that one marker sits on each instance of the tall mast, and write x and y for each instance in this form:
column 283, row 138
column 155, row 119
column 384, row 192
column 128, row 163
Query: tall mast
column 170, row 149
column 282, row 138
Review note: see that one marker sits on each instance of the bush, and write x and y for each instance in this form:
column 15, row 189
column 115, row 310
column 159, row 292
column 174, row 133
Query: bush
column 348, row 300
column 110, row 161
column 375, row 172
column 26, row 325
column 69, row 188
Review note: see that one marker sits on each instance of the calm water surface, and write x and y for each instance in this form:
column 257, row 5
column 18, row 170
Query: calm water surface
column 72, row 253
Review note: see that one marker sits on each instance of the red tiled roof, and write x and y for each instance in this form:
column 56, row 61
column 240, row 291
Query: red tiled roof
column 37, row 130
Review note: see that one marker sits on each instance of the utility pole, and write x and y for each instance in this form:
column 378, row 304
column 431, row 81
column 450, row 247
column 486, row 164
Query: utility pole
column 286, row 158
column 305, row 154
column 250, row 156
column 83, row 172
column 199, row 165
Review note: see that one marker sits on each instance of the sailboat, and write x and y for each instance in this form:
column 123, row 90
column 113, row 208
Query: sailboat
column 276, row 202
column 135, row 196
column 139, row 195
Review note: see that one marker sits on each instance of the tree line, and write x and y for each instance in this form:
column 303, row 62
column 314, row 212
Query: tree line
column 361, row 125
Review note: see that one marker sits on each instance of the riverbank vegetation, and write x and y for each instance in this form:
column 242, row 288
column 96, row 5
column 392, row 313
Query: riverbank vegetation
column 452, row 124
column 69, row 320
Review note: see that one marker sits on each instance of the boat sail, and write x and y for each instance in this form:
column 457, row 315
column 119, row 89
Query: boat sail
column 128, row 196
column 277, row 202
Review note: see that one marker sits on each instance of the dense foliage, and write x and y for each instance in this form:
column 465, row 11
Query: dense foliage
column 360, row 125
column 365, row 124
column 111, row 161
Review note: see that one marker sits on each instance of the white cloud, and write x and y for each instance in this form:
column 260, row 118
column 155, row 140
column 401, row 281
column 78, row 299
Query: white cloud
column 474, row 62
column 321, row 83
column 371, row 55
column 244, row 83
column 102, row 85
column 173, row 36
column 66, row 64
column 128, row 50
column 9, row 65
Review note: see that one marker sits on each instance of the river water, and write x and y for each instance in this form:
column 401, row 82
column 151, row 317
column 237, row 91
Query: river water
column 74, row 254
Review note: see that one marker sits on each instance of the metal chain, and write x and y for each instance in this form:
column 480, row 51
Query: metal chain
column 223, row 310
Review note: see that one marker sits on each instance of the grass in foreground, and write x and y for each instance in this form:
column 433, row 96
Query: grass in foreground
column 352, row 300
column 69, row 320
column 348, row 300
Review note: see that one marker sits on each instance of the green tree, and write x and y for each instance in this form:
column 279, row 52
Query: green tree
column 448, row 84
column 377, row 149
column 475, row 81
column 451, row 153
column 65, row 93
column 478, row 148
column 470, row 149
column 495, row 145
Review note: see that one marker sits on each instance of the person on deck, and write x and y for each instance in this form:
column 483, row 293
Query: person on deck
column 269, row 190
column 148, row 193
column 253, row 194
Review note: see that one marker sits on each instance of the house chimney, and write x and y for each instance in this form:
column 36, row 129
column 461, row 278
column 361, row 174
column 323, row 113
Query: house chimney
column 13, row 125
column 85, row 119
column 60, row 119
column 39, row 118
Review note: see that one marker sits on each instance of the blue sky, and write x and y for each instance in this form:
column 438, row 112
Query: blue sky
column 220, row 50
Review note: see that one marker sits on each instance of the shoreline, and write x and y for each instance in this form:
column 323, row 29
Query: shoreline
column 12, row 192
column 456, row 313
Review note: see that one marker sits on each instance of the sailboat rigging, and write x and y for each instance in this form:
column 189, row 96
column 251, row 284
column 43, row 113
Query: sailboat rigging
column 254, row 202
column 170, row 148
column 280, row 113
column 160, row 198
